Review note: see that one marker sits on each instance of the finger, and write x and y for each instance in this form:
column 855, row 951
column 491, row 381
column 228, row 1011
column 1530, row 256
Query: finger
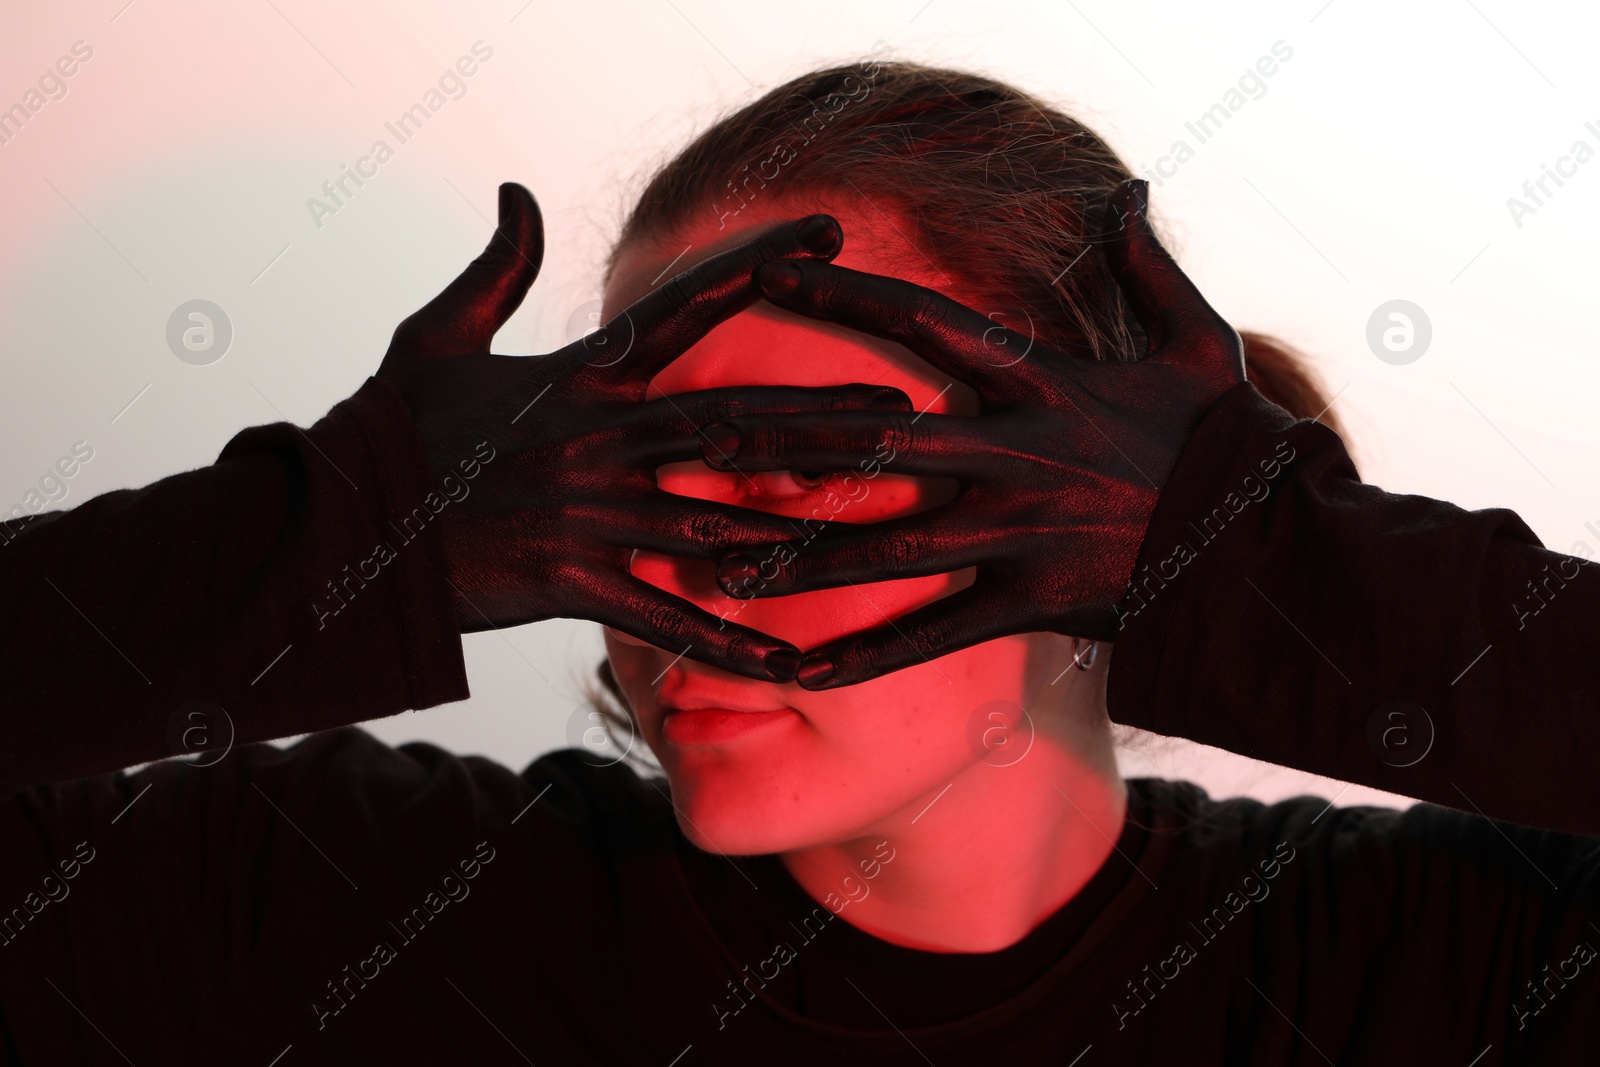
column 948, row 445
column 685, row 526
column 641, row 610
column 655, row 329
column 667, row 429
column 466, row 315
column 857, row 554
column 1183, row 328
column 999, row 363
column 947, row 625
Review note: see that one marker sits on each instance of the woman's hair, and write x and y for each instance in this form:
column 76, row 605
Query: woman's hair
column 1002, row 193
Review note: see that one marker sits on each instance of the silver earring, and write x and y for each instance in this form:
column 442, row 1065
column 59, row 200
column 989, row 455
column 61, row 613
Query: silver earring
column 1081, row 661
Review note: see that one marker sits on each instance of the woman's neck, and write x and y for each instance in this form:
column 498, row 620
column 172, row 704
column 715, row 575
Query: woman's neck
column 977, row 865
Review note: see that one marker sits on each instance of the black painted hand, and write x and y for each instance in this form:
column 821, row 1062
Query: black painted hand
column 552, row 458
column 1060, row 471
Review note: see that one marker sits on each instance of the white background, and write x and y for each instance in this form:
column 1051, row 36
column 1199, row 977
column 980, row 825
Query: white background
column 1377, row 166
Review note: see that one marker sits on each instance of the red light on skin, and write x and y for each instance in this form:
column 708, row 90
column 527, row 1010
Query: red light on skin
column 866, row 763
column 713, row 726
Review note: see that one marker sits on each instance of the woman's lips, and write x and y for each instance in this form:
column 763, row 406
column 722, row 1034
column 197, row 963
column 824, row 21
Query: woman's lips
column 714, row 726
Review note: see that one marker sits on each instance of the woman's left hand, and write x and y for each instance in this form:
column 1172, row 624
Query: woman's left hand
column 1060, row 472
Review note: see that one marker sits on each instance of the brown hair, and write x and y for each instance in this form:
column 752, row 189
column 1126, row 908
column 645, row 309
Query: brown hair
column 1003, row 193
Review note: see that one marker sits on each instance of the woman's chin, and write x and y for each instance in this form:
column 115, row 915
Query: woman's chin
column 730, row 824
column 741, row 807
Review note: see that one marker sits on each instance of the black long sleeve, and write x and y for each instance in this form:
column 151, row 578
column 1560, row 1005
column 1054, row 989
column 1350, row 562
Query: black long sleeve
column 1282, row 609
column 250, row 584
column 345, row 901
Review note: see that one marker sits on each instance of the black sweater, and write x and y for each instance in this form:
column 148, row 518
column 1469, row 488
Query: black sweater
column 348, row 902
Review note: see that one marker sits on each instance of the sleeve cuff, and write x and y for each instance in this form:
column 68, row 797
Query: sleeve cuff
column 428, row 628
column 1237, row 456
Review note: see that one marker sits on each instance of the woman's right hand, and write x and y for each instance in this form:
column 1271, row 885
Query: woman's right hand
column 1060, row 471
column 557, row 453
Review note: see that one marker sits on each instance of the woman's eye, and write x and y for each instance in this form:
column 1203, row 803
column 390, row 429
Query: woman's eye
column 781, row 484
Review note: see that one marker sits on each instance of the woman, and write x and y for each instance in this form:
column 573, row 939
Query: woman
column 1004, row 895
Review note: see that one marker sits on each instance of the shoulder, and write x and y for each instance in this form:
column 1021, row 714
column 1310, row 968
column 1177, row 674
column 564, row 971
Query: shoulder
column 1197, row 823
column 1384, row 849
column 607, row 796
column 349, row 768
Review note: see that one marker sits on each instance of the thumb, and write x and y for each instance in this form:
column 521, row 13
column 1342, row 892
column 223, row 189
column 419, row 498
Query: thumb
column 470, row 311
column 1182, row 327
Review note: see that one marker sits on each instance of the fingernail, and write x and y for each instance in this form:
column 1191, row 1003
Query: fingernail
column 736, row 574
column 719, row 444
column 890, row 399
column 781, row 664
column 814, row 672
column 778, row 278
column 820, row 233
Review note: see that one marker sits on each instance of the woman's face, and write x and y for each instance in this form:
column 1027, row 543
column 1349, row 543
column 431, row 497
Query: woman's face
column 818, row 767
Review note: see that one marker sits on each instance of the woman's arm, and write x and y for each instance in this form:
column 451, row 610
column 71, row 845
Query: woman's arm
column 314, row 578
column 1261, row 598
column 1282, row 609
column 249, row 584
